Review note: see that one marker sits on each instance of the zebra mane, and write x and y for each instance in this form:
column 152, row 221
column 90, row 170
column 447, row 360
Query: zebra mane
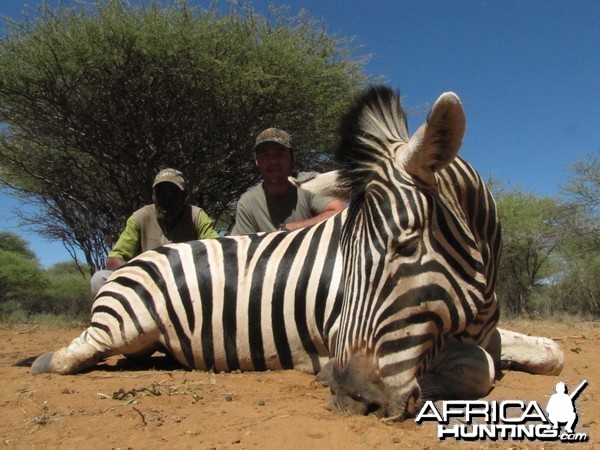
column 368, row 135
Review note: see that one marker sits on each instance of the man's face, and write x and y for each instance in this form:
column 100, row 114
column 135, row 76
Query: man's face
column 274, row 162
column 168, row 200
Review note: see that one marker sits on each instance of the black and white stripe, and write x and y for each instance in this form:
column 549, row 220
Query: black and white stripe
column 257, row 302
column 381, row 286
column 420, row 247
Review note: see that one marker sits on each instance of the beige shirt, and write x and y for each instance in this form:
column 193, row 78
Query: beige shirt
column 258, row 212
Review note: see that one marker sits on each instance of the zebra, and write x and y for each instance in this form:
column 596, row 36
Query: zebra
column 281, row 300
column 420, row 246
column 256, row 302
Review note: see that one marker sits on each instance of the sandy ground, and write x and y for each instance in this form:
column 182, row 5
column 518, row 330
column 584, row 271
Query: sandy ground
column 120, row 405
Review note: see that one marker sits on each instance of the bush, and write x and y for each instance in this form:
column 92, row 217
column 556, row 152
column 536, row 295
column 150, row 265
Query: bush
column 22, row 284
column 68, row 292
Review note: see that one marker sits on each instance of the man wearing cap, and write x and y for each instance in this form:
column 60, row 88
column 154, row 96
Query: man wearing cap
column 168, row 220
column 276, row 204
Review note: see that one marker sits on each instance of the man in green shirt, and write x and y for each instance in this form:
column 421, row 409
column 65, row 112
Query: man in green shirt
column 276, row 204
column 168, row 220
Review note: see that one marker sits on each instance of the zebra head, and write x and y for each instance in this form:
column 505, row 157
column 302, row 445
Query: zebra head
column 413, row 273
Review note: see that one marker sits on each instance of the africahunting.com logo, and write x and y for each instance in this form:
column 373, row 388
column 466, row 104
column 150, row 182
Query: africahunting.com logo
column 472, row 420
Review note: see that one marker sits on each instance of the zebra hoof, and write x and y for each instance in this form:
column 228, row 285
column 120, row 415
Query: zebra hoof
column 42, row 364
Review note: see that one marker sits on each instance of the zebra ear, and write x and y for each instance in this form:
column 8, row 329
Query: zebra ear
column 326, row 184
column 436, row 143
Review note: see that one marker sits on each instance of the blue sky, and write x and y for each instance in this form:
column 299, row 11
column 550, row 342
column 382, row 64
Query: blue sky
column 527, row 72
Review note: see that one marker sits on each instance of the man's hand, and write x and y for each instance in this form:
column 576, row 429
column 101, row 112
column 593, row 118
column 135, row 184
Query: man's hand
column 113, row 263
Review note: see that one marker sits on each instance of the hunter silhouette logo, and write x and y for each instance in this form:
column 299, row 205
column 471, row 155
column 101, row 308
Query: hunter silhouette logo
column 561, row 406
column 472, row 420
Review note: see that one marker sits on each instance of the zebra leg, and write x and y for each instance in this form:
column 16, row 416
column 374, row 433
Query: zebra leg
column 95, row 344
column 460, row 371
column 538, row 355
column 79, row 355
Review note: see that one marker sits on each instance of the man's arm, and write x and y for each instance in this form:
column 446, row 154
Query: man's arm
column 113, row 263
column 127, row 246
column 204, row 227
column 329, row 210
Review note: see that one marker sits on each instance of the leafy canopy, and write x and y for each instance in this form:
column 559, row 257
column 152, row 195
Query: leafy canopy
column 96, row 99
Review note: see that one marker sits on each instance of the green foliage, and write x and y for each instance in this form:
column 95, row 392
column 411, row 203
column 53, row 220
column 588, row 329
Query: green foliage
column 551, row 261
column 576, row 288
column 531, row 233
column 98, row 98
column 68, row 291
column 22, row 283
column 26, row 289
column 11, row 242
column 583, row 188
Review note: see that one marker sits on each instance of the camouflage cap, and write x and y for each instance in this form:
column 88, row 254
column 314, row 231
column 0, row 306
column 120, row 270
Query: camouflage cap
column 170, row 176
column 273, row 135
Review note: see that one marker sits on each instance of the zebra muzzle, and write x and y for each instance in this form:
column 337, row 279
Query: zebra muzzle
column 359, row 389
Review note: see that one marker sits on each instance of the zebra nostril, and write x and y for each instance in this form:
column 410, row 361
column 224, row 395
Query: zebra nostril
column 413, row 402
column 373, row 408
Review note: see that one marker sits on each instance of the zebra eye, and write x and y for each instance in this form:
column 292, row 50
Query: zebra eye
column 407, row 247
